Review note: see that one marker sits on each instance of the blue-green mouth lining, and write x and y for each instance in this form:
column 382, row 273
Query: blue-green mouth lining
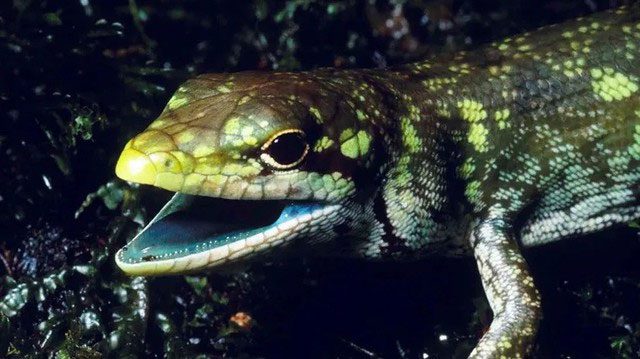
column 193, row 224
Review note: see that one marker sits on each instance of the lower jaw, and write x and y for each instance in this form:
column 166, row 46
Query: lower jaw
column 170, row 244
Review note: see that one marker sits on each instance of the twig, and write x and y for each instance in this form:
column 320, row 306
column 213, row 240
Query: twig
column 360, row 349
column 133, row 8
column 6, row 264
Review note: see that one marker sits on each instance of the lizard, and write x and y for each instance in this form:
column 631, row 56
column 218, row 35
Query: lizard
column 519, row 143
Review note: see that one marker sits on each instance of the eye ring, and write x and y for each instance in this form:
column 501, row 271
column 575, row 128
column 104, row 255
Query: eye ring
column 285, row 149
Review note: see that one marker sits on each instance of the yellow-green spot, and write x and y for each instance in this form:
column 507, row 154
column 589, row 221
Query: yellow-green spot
column 596, row 73
column 361, row 115
column 244, row 100
column 202, row 150
column 177, row 101
column 346, row 134
column 355, row 146
column 404, row 176
column 247, row 131
column 323, row 143
column 502, row 114
column 237, row 142
column 501, row 117
column 241, row 170
column 223, row 89
column 613, row 85
column 472, row 192
column 467, row 168
column 477, row 136
column 232, row 126
column 443, row 110
column 575, row 45
column 157, row 124
column 415, row 112
column 410, row 135
column 186, row 136
column 250, row 170
column 316, row 113
column 364, row 141
column 247, row 136
column 472, row 110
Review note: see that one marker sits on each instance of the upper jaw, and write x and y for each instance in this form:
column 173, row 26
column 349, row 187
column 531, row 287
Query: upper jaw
column 187, row 236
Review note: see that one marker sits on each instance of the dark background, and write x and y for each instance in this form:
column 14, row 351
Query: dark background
column 78, row 78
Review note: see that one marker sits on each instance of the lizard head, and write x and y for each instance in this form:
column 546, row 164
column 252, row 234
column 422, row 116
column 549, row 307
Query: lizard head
column 256, row 161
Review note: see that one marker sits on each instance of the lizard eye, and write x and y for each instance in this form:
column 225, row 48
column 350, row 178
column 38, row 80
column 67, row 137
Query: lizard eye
column 285, row 150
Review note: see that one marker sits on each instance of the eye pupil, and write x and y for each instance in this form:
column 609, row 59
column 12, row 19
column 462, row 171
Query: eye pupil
column 288, row 148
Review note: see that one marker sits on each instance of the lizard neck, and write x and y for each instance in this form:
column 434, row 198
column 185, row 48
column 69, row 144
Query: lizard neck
column 420, row 191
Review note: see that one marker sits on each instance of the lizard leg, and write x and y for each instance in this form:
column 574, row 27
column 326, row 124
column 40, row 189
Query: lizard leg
column 513, row 297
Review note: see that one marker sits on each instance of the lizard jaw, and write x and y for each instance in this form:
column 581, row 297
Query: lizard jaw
column 172, row 243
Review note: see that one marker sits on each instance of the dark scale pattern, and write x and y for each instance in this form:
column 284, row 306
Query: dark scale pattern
column 542, row 132
column 550, row 121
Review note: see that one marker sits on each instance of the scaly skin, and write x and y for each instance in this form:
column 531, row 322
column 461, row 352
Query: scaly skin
column 523, row 142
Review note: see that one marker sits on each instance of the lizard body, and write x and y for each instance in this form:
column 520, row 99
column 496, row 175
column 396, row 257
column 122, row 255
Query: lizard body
column 523, row 142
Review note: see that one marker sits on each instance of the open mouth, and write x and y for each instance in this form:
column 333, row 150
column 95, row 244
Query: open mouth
column 195, row 232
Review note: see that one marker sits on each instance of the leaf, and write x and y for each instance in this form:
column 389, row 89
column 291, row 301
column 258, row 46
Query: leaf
column 198, row 283
column 52, row 18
